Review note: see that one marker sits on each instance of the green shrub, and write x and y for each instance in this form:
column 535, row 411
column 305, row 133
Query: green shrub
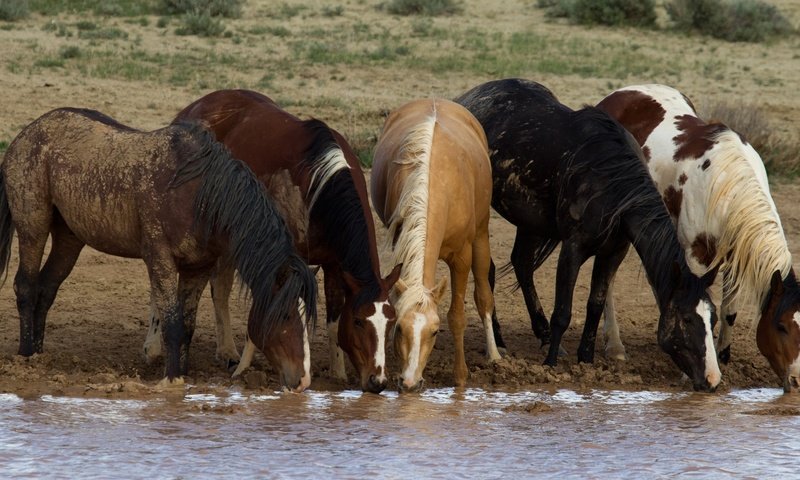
column 639, row 13
column 423, row 7
column 214, row 8
column 201, row 24
column 71, row 51
column 11, row 10
column 103, row 34
column 328, row 11
column 734, row 21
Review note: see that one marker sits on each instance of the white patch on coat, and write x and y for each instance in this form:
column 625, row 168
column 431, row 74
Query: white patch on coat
column 713, row 375
column 379, row 321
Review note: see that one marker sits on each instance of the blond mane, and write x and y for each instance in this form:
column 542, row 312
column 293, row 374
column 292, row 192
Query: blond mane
column 409, row 221
column 324, row 168
column 752, row 245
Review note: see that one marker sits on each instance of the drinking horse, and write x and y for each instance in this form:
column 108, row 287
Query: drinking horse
column 318, row 186
column 716, row 190
column 173, row 197
column 575, row 178
column 431, row 186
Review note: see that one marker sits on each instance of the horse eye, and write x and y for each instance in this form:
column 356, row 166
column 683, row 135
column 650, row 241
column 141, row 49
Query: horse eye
column 359, row 323
column 435, row 332
column 782, row 328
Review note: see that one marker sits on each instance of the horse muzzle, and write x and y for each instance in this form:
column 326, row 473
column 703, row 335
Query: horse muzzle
column 374, row 385
column 791, row 384
column 407, row 387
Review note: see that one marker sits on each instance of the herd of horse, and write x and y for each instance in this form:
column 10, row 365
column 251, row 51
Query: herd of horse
column 237, row 184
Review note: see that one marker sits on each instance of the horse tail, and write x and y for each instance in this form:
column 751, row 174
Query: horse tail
column 231, row 202
column 6, row 228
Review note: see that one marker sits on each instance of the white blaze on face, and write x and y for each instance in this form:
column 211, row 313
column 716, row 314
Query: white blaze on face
column 409, row 374
column 794, row 368
column 713, row 375
column 379, row 321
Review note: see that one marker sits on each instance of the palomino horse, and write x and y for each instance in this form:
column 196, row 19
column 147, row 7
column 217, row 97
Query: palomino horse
column 431, row 185
column 715, row 188
column 319, row 188
column 173, row 197
column 575, row 177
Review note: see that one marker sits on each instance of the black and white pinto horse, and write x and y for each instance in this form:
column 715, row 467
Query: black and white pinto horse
column 576, row 177
column 716, row 190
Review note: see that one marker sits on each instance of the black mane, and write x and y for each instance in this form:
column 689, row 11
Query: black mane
column 231, row 202
column 338, row 209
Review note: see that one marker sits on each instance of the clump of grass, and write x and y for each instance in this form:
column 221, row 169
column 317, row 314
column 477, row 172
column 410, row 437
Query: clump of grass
column 423, row 7
column 779, row 156
column 637, row 13
column 118, row 8
column 214, row 8
column 103, row 34
column 201, row 24
column 70, row 51
column 49, row 62
column 86, row 25
column 3, row 146
column 734, row 21
column 285, row 11
column 329, row 11
column 12, row 10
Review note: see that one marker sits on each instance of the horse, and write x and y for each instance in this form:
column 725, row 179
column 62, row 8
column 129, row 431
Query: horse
column 716, row 190
column 173, row 197
column 431, row 187
column 574, row 177
column 318, row 186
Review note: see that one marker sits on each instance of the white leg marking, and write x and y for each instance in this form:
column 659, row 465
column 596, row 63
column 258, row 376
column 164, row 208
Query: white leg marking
column 615, row 350
column 247, row 358
column 491, row 345
column 379, row 321
column 713, row 374
column 306, row 380
column 152, row 344
column 410, row 373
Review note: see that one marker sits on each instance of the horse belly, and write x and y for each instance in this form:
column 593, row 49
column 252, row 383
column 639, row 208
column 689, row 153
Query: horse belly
column 108, row 224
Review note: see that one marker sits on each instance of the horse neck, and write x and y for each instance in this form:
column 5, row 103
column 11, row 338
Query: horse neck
column 654, row 239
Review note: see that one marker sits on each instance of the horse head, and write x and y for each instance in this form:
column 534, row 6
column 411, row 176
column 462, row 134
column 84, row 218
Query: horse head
column 363, row 330
column 415, row 335
column 778, row 333
column 685, row 328
column 286, row 347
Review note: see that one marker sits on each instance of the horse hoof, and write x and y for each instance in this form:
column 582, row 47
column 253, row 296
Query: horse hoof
column 167, row 384
column 616, row 355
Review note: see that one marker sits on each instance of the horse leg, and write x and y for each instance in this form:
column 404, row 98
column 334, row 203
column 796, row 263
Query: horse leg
column 569, row 263
column 484, row 298
column 728, row 315
column 498, row 337
column 190, row 288
column 615, row 350
column 334, row 302
column 65, row 250
column 152, row 343
column 605, row 267
column 459, row 274
column 164, row 294
column 32, row 233
column 221, row 285
column 522, row 257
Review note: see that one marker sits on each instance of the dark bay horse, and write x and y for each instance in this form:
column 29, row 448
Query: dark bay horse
column 432, row 187
column 318, row 186
column 575, row 178
column 716, row 189
column 173, row 197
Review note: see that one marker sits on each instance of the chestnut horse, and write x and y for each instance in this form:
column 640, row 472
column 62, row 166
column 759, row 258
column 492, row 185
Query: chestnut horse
column 431, row 185
column 318, row 186
column 173, row 197
column 575, row 178
column 715, row 187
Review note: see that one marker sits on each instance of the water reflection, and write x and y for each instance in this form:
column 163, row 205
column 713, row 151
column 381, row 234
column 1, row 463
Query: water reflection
column 442, row 433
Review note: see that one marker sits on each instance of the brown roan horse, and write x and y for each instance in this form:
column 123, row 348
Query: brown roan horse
column 318, row 185
column 432, row 187
column 173, row 197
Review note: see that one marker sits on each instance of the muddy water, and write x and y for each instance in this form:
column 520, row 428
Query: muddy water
column 438, row 434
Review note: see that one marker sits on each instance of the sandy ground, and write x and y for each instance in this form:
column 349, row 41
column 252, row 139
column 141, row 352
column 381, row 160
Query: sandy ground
column 95, row 330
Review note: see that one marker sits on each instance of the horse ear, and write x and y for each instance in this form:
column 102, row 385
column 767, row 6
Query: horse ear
column 315, row 270
column 393, row 276
column 351, row 282
column 400, row 286
column 439, row 290
column 776, row 284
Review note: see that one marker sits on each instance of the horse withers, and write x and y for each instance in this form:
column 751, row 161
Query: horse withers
column 716, row 190
column 576, row 178
column 319, row 188
column 173, row 197
column 431, row 186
